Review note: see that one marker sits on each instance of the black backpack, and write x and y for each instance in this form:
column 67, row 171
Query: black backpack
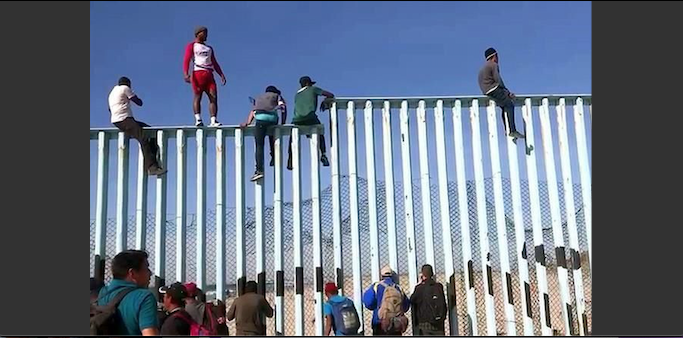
column 434, row 303
column 104, row 320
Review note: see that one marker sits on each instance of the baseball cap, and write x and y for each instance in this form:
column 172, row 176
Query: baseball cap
column 191, row 289
column 306, row 80
column 489, row 53
column 330, row 287
column 199, row 29
column 386, row 271
column 176, row 290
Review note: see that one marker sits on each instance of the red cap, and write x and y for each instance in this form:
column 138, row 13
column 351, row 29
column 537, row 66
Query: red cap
column 191, row 289
column 330, row 287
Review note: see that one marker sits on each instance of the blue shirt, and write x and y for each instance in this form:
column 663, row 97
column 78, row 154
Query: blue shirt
column 138, row 309
column 328, row 309
column 266, row 116
column 373, row 300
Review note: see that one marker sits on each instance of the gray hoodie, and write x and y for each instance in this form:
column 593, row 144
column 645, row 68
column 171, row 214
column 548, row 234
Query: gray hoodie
column 489, row 78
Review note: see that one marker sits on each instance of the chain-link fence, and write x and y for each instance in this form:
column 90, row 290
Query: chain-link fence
column 328, row 250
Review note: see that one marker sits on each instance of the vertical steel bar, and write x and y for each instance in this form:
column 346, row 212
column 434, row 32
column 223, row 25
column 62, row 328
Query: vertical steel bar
column 463, row 211
column 122, row 194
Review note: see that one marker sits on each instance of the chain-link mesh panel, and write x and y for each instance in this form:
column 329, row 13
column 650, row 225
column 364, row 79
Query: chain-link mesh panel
column 401, row 247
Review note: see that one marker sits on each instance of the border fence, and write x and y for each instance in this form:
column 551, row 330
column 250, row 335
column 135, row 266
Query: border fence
column 508, row 236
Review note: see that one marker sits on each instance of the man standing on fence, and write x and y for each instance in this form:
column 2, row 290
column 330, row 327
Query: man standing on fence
column 388, row 304
column 429, row 305
column 305, row 105
column 491, row 85
column 122, row 117
column 201, row 77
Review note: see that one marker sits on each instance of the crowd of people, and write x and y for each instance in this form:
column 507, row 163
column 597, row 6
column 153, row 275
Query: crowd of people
column 268, row 107
column 127, row 306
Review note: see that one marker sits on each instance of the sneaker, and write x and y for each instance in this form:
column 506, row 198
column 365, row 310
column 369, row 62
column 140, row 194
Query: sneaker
column 156, row 171
column 272, row 161
column 215, row 124
column 199, row 123
column 324, row 160
column 516, row 134
column 257, row 176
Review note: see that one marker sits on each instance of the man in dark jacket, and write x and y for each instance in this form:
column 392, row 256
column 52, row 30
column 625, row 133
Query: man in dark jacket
column 178, row 322
column 250, row 311
column 491, row 85
column 429, row 304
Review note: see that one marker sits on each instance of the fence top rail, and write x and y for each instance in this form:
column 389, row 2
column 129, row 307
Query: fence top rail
column 395, row 102
column 228, row 130
column 449, row 100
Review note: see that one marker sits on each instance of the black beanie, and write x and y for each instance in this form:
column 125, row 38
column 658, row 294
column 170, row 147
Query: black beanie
column 489, row 53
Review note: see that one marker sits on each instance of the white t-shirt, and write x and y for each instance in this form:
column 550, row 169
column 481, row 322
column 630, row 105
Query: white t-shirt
column 119, row 103
column 202, row 57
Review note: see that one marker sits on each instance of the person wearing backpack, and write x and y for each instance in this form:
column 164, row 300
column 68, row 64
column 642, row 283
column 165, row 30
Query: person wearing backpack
column 388, row 304
column 216, row 312
column 126, row 306
column 193, row 306
column 178, row 322
column 340, row 313
column 429, row 305
column 210, row 314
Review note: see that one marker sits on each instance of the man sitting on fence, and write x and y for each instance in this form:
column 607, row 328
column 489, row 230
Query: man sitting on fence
column 340, row 313
column 137, row 311
column 388, row 304
column 250, row 311
column 265, row 111
column 305, row 105
column 122, row 117
column 491, row 85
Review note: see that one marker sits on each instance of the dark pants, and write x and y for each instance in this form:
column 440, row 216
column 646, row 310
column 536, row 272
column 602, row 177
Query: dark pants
column 149, row 147
column 502, row 98
column 428, row 329
column 260, row 136
column 321, row 139
column 377, row 330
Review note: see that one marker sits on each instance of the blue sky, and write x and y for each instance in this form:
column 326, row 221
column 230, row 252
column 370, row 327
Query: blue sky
column 350, row 48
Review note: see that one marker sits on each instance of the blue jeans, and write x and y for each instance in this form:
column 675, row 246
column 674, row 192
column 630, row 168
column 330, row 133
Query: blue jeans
column 260, row 136
column 502, row 98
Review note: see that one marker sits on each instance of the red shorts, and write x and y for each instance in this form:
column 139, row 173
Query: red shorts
column 202, row 81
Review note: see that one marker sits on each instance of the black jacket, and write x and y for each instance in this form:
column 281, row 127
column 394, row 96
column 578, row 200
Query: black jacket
column 420, row 302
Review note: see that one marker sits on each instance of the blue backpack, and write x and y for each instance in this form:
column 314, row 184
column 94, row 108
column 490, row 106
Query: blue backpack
column 345, row 318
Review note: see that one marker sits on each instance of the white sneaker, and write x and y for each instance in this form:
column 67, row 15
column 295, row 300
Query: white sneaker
column 199, row 123
column 215, row 124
